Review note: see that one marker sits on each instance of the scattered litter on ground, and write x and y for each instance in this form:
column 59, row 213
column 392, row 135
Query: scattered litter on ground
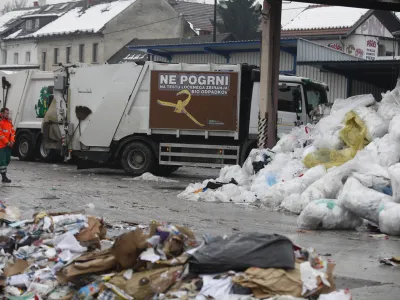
column 392, row 261
column 61, row 256
column 337, row 174
column 149, row 177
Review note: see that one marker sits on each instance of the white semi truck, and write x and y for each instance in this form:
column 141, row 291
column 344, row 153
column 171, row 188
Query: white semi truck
column 156, row 117
column 28, row 95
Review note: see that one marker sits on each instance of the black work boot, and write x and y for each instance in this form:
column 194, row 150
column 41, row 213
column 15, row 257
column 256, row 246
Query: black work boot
column 4, row 178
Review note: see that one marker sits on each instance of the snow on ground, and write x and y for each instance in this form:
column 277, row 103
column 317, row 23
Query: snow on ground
column 149, row 177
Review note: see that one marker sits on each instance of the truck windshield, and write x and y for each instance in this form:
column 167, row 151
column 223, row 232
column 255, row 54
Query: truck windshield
column 316, row 95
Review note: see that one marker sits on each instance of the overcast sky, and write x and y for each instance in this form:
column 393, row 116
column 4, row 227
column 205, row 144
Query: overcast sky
column 286, row 4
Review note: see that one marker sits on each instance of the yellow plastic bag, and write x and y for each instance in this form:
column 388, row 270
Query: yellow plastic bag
column 353, row 135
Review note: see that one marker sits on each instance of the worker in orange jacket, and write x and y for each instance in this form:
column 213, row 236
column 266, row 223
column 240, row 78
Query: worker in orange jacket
column 7, row 139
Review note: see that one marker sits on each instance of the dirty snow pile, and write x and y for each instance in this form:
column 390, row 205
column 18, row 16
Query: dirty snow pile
column 149, row 177
column 337, row 174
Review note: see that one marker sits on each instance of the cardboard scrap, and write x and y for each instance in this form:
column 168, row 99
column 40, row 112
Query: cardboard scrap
column 143, row 285
column 91, row 263
column 266, row 283
column 17, row 268
column 92, row 234
column 128, row 247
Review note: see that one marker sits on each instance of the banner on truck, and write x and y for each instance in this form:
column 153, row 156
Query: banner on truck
column 193, row 100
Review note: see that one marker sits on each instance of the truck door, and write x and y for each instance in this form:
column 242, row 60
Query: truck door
column 291, row 106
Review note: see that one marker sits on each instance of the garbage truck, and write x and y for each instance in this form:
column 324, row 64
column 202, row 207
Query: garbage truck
column 28, row 94
column 156, row 117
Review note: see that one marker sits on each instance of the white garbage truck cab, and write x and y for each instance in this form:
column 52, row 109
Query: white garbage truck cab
column 157, row 117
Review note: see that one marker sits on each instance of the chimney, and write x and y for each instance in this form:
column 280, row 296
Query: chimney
column 35, row 3
column 42, row 2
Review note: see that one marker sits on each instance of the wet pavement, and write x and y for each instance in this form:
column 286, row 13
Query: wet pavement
column 61, row 187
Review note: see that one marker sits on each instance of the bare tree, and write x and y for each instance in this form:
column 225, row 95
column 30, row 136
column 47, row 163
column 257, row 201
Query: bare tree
column 12, row 5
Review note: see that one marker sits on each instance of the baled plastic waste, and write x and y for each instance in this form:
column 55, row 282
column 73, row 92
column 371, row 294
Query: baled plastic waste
column 362, row 201
column 351, row 156
column 389, row 218
column 327, row 214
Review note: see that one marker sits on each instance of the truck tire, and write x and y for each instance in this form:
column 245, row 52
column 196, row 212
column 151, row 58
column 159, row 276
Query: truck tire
column 166, row 170
column 25, row 147
column 46, row 155
column 137, row 158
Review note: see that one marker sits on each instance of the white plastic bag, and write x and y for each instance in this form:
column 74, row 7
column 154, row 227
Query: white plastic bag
column 325, row 188
column 282, row 193
column 390, row 104
column 394, row 128
column 327, row 214
column 362, row 201
column 336, row 295
column 293, row 203
column 326, row 132
column 394, row 172
column 233, row 172
column 341, row 105
column 291, row 170
column 388, row 150
column 389, row 218
column 376, row 126
column 378, row 183
column 329, row 139
column 295, row 139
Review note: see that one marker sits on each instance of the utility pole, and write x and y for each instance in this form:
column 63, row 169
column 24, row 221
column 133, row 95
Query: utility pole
column 269, row 80
column 215, row 22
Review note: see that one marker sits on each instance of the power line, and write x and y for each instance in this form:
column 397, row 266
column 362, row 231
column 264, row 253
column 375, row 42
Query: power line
column 144, row 25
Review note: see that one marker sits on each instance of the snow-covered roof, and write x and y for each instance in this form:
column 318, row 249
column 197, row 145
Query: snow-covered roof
column 12, row 16
column 325, row 17
column 53, row 2
column 77, row 20
column 13, row 35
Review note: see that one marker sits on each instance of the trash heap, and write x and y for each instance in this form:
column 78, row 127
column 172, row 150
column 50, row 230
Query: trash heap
column 62, row 256
column 336, row 174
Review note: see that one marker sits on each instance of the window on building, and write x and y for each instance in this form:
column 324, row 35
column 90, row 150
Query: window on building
column 81, row 53
column 16, row 58
column 49, row 8
column 44, row 57
column 63, row 6
column 37, row 24
column 28, row 57
column 56, row 55
column 4, row 57
column 68, row 55
column 29, row 24
column 381, row 50
column 95, row 53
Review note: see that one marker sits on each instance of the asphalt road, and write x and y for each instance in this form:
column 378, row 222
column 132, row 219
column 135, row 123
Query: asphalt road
column 39, row 186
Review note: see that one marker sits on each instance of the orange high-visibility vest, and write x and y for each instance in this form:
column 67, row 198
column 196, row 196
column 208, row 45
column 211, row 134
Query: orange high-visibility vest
column 7, row 132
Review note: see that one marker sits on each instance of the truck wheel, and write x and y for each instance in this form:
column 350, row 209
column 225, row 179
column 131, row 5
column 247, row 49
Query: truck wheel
column 137, row 159
column 166, row 170
column 25, row 147
column 45, row 154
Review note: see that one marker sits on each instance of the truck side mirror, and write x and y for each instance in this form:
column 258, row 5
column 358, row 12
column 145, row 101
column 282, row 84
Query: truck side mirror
column 297, row 101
